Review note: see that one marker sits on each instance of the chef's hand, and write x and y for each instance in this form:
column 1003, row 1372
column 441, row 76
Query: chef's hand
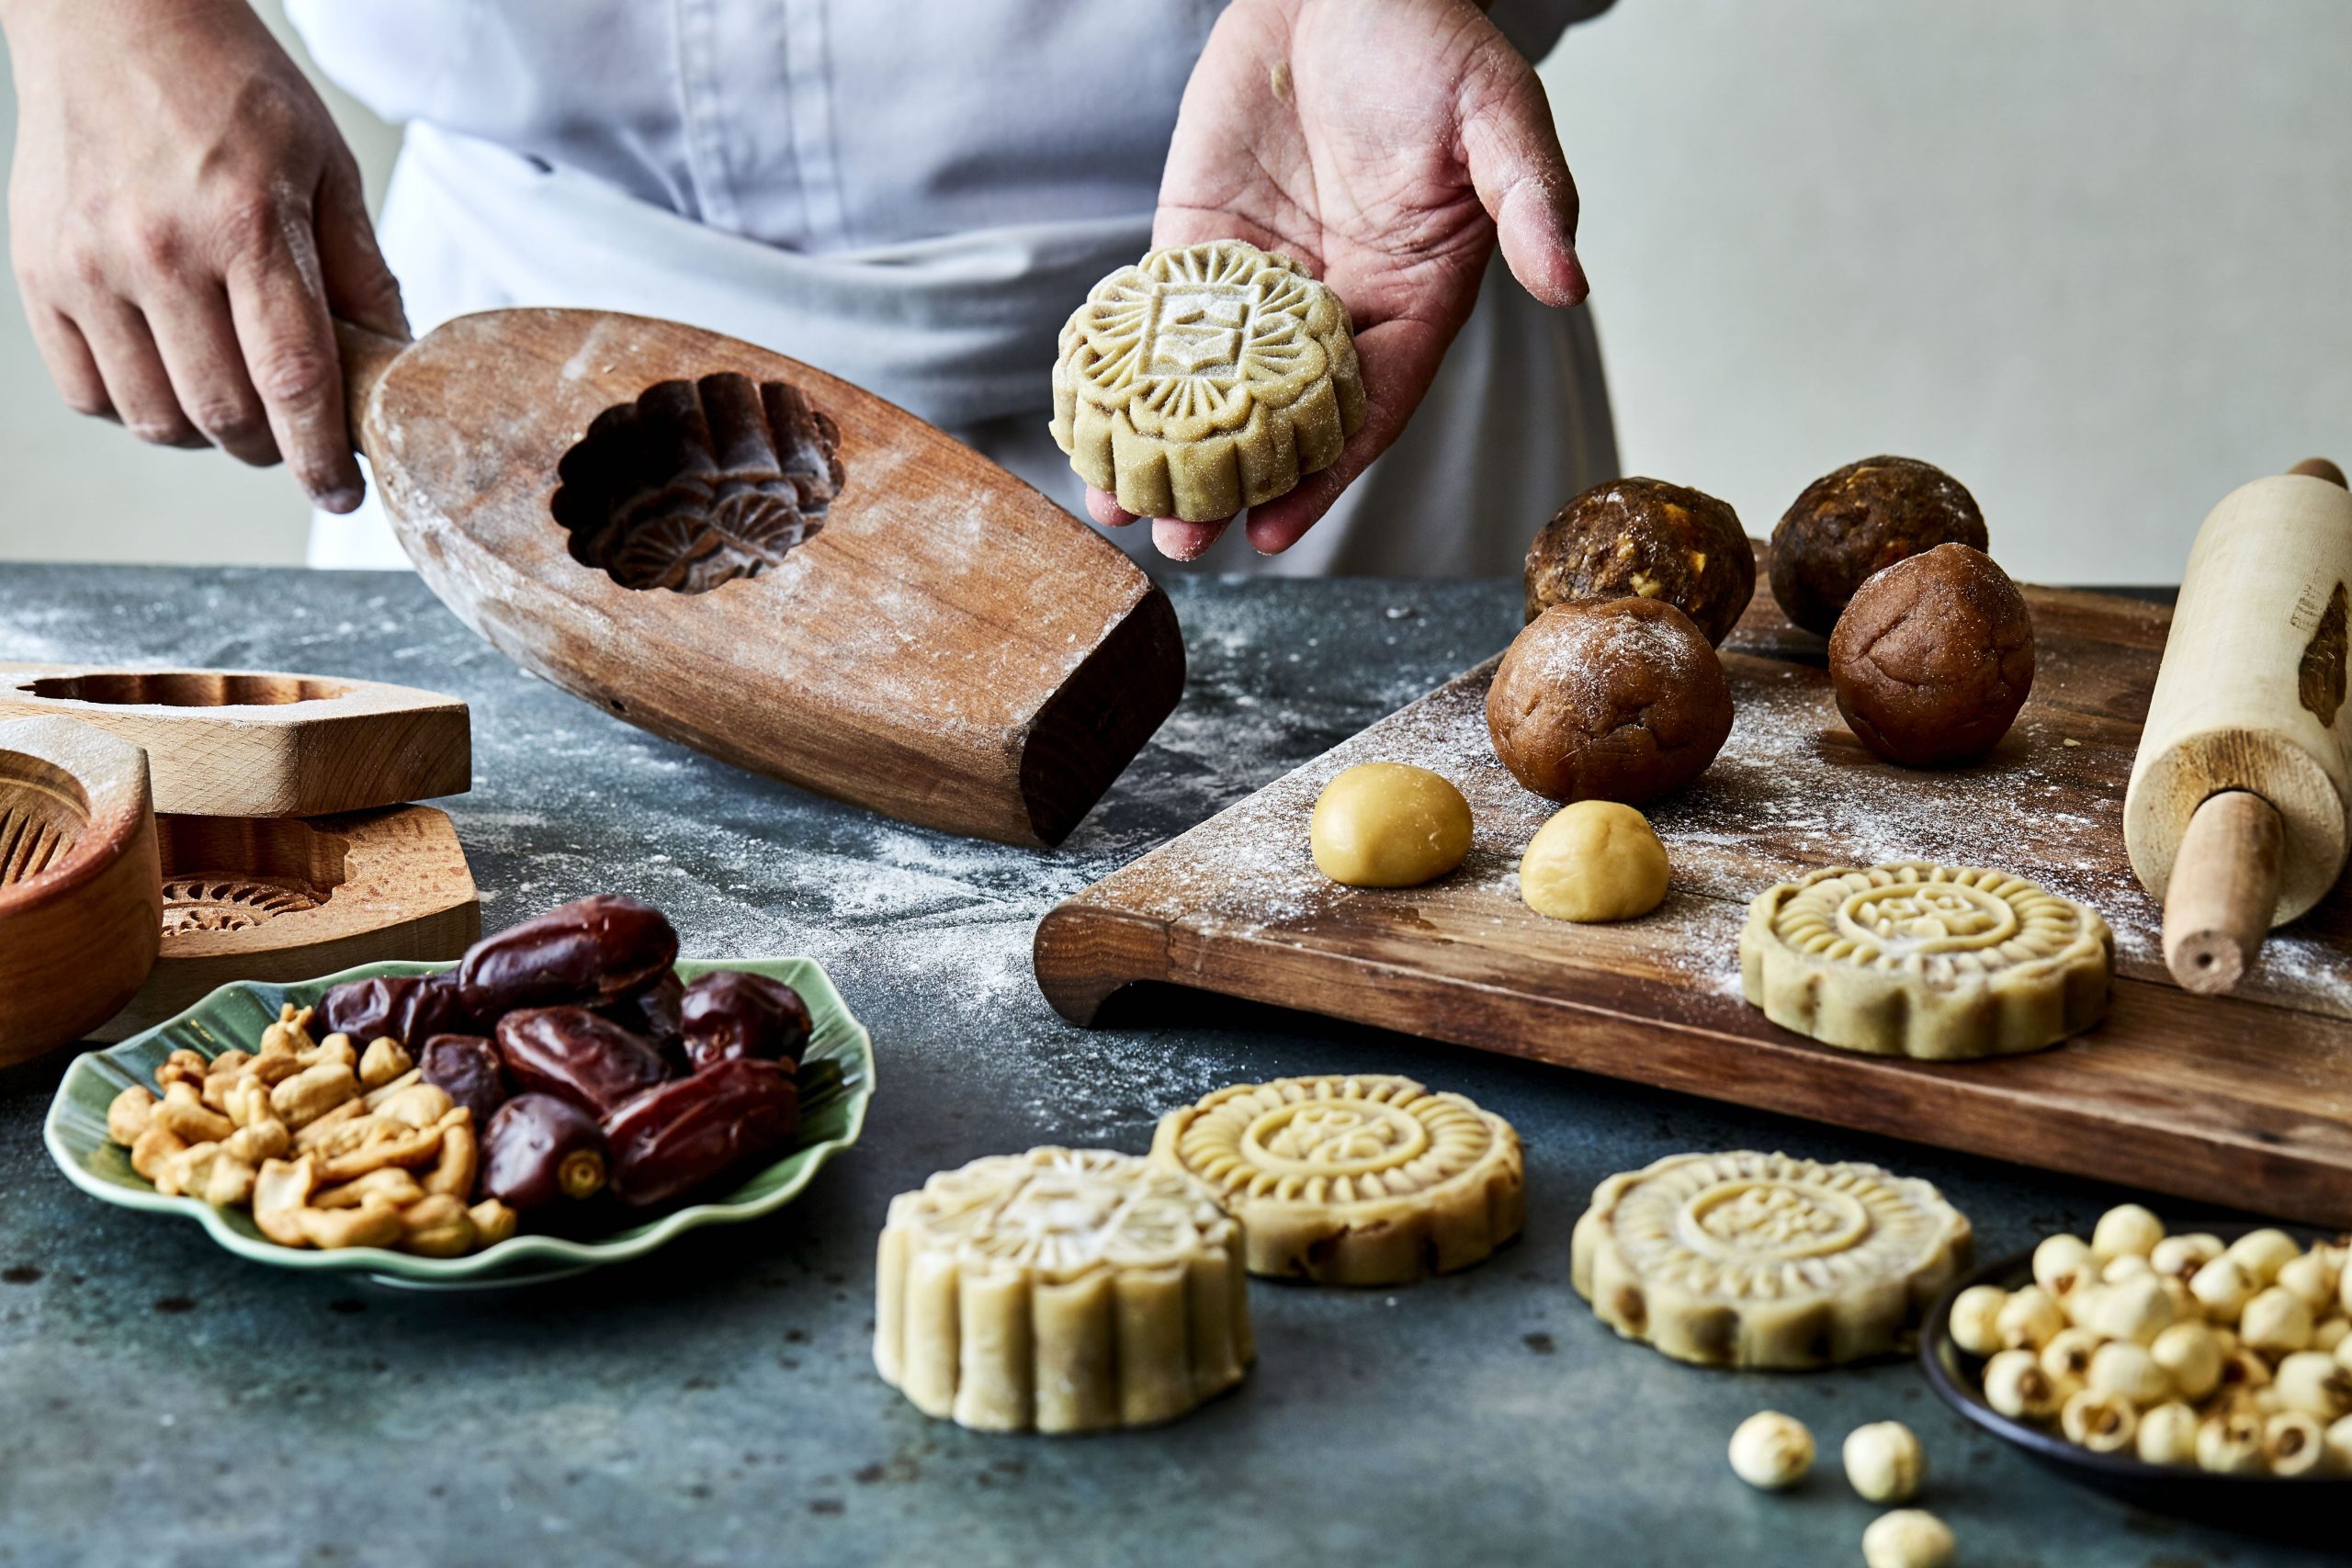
column 184, row 219
column 1384, row 144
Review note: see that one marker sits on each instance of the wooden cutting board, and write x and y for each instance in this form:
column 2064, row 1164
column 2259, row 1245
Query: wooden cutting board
column 2244, row 1100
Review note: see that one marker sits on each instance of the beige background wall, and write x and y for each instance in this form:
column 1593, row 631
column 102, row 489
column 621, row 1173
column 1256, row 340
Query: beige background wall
column 2092, row 257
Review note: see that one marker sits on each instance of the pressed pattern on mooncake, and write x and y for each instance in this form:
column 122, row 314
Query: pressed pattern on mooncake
column 1204, row 379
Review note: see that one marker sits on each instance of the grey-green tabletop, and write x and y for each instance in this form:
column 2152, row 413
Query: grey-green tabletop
column 161, row 1402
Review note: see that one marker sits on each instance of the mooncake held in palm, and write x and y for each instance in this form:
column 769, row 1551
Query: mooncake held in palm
column 1204, row 379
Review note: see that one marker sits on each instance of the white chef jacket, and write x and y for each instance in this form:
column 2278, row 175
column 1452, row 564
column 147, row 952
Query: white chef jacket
column 909, row 193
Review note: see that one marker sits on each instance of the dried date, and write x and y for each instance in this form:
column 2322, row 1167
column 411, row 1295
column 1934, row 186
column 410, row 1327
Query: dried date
column 540, row 1148
column 577, row 1055
column 466, row 1069
column 729, row 1014
column 592, row 951
column 651, row 1011
column 686, row 1132
column 405, row 1007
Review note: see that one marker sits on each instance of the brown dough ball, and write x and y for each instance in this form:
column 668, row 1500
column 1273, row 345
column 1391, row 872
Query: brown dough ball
column 1616, row 701
column 1649, row 540
column 1861, row 520
column 1934, row 657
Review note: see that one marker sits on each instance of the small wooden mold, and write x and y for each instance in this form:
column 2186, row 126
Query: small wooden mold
column 287, row 899
column 80, row 903
column 262, row 743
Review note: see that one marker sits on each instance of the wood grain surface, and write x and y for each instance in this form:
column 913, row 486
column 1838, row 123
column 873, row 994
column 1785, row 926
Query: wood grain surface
column 948, row 646
column 2244, row 1100
column 261, row 743
column 288, row 899
column 79, row 900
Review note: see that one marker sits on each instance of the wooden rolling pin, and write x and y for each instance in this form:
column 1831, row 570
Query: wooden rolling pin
column 2239, row 811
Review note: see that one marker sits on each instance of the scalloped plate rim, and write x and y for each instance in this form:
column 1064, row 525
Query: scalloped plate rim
column 519, row 1261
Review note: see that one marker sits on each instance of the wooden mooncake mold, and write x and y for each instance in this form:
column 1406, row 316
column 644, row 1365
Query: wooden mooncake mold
column 1063, row 1290
column 1369, row 1180
column 80, row 905
column 1761, row 1260
column 1204, row 379
column 1915, row 959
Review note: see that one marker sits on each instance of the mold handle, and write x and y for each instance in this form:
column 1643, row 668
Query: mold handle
column 365, row 357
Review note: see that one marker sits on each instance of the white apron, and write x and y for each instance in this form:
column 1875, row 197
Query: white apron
column 847, row 275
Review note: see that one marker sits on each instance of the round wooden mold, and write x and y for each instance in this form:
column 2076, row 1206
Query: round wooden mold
column 81, row 901
column 284, row 898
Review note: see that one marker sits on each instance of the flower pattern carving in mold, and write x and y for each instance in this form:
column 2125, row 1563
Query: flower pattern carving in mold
column 698, row 483
column 1204, row 379
column 1918, row 959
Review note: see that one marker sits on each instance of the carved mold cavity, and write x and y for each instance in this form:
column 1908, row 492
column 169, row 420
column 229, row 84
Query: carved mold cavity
column 183, row 689
column 43, row 812
column 232, row 874
column 697, row 483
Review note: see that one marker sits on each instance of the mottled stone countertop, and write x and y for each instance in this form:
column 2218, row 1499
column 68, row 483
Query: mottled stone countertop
column 167, row 1403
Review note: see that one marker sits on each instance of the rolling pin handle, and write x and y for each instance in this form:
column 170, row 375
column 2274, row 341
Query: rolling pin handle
column 2319, row 468
column 365, row 357
column 2223, row 890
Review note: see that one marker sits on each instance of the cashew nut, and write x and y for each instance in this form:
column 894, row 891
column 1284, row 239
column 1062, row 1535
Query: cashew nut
column 291, row 1033
column 493, row 1222
column 409, row 1146
column 129, row 1114
column 280, row 1193
column 181, row 1067
column 384, row 1060
column 183, row 1167
column 334, row 1048
column 371, row 1223
column 264, row 1139
column 154, row 1145
column 409, row 1080
column 419, row 1105
column 312, row 1092
column 453, row 1170
column 246, row 1100
column 182, row 1110
column 437, row 1226
column 391, row 1185
column 325, row 1130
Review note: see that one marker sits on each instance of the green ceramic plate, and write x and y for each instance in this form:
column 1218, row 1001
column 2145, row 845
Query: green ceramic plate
column 831, row 1117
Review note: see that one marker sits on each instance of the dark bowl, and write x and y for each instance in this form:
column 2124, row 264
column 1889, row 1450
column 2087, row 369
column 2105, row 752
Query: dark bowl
column 2303, row 1508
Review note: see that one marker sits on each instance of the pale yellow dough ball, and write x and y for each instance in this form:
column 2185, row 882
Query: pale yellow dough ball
column 1596, row 860
column 1389, row 825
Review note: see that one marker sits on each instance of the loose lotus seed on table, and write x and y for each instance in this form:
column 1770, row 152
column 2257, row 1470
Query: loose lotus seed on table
column 1908, row 1538
column 1772, row 1451
column 1884, row 1462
